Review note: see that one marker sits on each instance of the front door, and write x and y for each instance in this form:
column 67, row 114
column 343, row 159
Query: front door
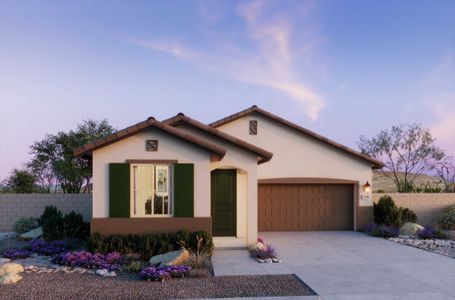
column 224, row 199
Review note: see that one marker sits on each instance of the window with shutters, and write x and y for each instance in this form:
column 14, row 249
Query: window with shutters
column 151, row 190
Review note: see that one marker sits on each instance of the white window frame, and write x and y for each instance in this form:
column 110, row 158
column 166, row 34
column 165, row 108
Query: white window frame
column 134, row 205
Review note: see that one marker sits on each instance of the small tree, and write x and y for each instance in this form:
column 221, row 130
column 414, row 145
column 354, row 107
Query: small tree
column 446, row 172
column 54, row 162
column 406, row 150
column 21, row 181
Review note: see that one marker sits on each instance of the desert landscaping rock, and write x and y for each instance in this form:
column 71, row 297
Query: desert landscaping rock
column 10, row 278
column 6, row 235
column 444, row 247
column 410, row 229
column 11, row 268
column 105, row 273
column 32, row 234
column 171, row 258
column 77, row 286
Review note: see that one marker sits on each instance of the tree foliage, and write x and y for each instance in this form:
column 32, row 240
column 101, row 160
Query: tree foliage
column 54, row 163
column 446, row 172
column 407, row 150
column 21, row 181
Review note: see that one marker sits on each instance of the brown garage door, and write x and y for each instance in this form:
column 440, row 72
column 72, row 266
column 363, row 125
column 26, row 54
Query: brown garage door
column 299, row 207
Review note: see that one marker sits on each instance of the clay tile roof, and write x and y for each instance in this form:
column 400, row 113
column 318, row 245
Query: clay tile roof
column 262, row 154
column 150, row 122
column 254, row 109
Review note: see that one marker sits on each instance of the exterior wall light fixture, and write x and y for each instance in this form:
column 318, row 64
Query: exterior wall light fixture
column 367, row 187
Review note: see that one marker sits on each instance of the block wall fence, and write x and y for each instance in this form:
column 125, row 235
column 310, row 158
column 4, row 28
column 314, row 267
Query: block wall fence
column 15, row 206
column 426, row 206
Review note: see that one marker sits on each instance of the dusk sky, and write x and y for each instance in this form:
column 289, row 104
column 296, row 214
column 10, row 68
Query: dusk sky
column 340, row 68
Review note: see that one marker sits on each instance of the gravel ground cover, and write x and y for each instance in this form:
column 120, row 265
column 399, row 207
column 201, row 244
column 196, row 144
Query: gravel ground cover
column 444, row 247
column 85, row 286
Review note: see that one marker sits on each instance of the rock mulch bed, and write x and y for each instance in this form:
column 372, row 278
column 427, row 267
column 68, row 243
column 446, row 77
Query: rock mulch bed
column 444, row 247
column 82, row 286
column 43, row 264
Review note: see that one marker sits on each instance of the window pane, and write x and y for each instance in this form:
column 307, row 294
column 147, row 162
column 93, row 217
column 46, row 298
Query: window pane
column 152, row 190
column 158, row 205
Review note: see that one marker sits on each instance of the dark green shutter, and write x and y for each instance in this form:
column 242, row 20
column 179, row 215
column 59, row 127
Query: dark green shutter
column 119, row 190
column 183, row 190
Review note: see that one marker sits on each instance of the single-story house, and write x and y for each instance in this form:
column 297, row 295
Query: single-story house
column 251, row 171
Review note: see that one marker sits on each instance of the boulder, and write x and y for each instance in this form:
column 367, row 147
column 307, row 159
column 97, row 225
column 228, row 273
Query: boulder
column 171, row 258
column 105, row 273
column 32, row 234
column 10, row 278
column 11, row 268
column 410, row 229
column 4, row 260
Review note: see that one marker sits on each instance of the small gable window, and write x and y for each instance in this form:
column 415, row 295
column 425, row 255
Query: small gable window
column 151, row 145
column 253, row 127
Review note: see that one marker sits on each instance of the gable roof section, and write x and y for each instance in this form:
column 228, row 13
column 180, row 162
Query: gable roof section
column 263, row 154
column 376, row 164
column 150, row 122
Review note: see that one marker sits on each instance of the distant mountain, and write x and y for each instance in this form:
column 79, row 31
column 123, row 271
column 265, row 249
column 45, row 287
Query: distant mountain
column 383, row 183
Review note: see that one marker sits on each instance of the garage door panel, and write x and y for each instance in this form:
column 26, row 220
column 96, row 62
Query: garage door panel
column 299, row 207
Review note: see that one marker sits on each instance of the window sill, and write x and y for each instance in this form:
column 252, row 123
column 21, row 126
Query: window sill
column 152, row 216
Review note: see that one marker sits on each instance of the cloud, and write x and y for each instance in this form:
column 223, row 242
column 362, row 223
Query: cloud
column 269, row 50
column 441, row 101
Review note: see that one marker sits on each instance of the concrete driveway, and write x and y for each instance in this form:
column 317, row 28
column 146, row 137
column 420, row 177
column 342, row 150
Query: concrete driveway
column 349, row 265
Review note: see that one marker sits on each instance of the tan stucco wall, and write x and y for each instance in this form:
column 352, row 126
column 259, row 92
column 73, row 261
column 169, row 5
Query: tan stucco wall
column 169, row 148
column 426, row 206
column 246, row 164
column 298, row 155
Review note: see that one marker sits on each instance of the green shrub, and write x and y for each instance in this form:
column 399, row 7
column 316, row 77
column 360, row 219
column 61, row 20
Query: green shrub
column 57, row 226
column 53, row 227
column 164, row 243
column 149, row 245
column 75, row 227
column 134, row 266
column 182, row 238
column 446, row 220
column 24, row 225
column 387, row 213
column 95, row 243
column 201, row 241
column 49, row 211
column 408, row 216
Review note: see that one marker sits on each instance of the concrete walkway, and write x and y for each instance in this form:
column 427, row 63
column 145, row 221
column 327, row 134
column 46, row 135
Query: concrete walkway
column 349, row 265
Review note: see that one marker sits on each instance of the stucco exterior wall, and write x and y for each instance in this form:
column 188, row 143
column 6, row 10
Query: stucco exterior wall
column 246, row 164
column 298, row 155
column 169, row 148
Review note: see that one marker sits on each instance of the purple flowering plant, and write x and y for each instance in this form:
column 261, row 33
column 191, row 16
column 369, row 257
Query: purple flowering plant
column 262, row 251
column 164, row 273
column 48, row 248
column 429, row 233
column 385, row 231
column 83, row 259
column 16, row 253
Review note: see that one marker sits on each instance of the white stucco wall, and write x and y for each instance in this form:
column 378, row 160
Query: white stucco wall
column 298, row 155
column 246, row 164
column 169, row 148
